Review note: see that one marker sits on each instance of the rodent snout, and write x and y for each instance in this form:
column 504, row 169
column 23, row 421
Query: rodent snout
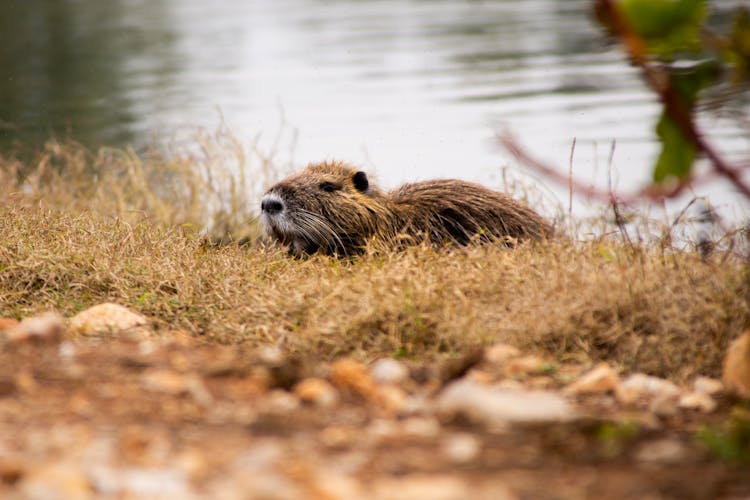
column 271, row 205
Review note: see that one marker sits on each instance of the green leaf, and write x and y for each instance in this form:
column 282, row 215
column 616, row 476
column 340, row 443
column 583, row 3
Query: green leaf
column 667, row 26
column 677, row 152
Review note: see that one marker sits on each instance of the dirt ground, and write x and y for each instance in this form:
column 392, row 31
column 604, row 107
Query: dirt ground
column 135, row 418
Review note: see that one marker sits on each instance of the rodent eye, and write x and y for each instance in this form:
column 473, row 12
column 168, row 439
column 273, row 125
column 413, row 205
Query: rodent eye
column 329, row 187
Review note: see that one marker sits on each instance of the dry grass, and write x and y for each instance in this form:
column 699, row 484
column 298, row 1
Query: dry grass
column 666, row 313
column 80, row 228
column 211, row 187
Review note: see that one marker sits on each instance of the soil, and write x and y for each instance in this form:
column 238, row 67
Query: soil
column 141, row 418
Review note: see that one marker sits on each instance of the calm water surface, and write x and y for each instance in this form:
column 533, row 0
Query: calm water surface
column 408, row 89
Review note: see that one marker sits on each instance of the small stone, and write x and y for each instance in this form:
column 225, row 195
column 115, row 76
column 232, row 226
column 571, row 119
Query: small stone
column 175, row 383
column 55, row 481
column 352, row 375
column 107, row 319
column 662, row 451
column 420, row 427
column 389, row 371
column 166, row 381
column 382, row 428
column 526, row 365
column 393, row 398
column 707, row 385
column 500, row 353
column 281, row 401
column 271, row 355
column 736, row 371
column 641, row 386
column 601, row 379
column 480, row 376
column 7, row 324
column 697, row 401
column 48, row 326
column 434, row 487
column 493, row 405
column 338, row 436
column 461, row 448
column 316, row 391
column 66, row 350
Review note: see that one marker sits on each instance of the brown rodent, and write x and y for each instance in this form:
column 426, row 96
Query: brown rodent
column 333, row 208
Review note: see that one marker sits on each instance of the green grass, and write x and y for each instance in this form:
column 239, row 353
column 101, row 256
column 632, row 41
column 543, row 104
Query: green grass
column 72, row 240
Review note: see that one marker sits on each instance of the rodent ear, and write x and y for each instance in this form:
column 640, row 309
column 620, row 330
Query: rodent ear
column 360, row 181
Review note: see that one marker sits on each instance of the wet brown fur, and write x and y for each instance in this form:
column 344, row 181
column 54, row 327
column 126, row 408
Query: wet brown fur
column 327, row 209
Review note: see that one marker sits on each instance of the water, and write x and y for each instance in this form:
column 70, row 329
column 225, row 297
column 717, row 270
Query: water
column 408, row 89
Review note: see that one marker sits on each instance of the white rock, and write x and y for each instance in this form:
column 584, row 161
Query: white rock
column 641, row 386
column 281, row 401
column 45, row 326
column 706, row 385
column 461, row 448
column 697, row 401
column 493, row 405
column 389, row 371
column 317, row 391
column 108, row 318
column 602, row 378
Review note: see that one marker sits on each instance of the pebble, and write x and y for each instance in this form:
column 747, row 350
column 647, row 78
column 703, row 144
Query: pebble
column 736, row 370
column 106, row 319
column 353, row 375
column 420, row 427
column 500, row 353
column 393, row 398
column 603, row 378
column 55, row 481
column 697, row 401
column 316, row 391
column 707, row 385
column 7, row 323
column 281, row 401
column 389, row 371
column 493, row 405
column 174, row 383
column 422, row 486
column 641, row 386
column 461, row 448
column 47, row 326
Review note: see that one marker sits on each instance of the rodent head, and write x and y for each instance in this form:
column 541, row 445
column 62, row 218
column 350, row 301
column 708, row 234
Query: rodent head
column 328, row 206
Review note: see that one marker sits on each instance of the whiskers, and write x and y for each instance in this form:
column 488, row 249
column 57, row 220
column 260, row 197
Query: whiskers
column 308, row 232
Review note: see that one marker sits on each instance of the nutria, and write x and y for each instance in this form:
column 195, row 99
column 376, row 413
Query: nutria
column 333, row 208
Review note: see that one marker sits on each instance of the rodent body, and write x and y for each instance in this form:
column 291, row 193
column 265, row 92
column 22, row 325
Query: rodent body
column 334, row 208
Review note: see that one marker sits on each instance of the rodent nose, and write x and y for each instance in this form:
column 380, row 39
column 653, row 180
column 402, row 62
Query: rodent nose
column 271, row 206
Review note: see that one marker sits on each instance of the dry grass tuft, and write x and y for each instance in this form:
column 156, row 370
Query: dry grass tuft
column 669, row 313
column 212, row 187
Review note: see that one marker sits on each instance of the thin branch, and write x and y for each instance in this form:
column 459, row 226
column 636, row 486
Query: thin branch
column 570, row 177
column 654, row 192
column 660, row 83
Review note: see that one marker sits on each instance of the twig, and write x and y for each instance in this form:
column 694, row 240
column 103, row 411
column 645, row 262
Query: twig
column 653, row 192
column 570, row 177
